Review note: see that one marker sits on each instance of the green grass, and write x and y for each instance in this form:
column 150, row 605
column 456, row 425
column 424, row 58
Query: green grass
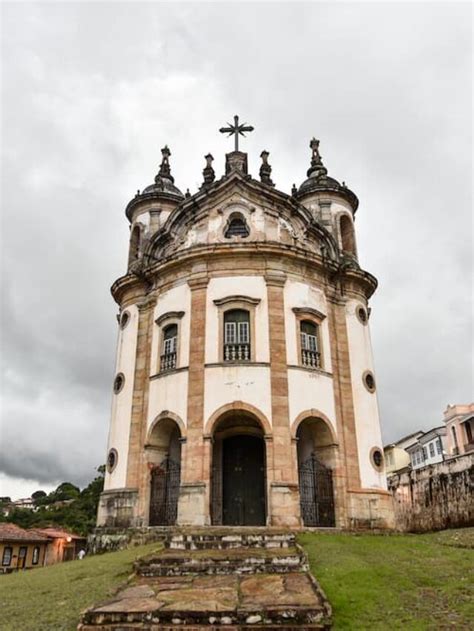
column 416, row 582
column 52, row 598
column 376, row 582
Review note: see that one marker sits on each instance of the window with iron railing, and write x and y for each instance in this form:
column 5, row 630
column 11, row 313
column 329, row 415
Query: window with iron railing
column 168, row 358
column 237, row 336
column 310, row 354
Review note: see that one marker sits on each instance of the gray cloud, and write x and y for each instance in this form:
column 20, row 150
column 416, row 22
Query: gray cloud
column 90, row 94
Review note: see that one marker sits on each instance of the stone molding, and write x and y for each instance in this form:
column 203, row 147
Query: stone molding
column 169, row 315
column 237, row 406
column 301, row 311
column 275, row 278
column 228, row 299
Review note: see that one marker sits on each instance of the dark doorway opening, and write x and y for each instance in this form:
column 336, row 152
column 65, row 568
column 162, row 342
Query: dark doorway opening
column 164, row 460
column 243, row 481
column 316, row 460
column 238, row 495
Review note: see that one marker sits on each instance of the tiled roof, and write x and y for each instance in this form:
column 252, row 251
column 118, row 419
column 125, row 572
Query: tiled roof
column 12, row 532
column 56, row 533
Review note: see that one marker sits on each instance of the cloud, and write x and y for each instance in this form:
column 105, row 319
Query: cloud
column 91, row 93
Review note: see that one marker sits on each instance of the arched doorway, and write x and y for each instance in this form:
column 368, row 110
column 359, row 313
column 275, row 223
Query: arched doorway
column 316, row 461
column 238, row 471
column 164, row 460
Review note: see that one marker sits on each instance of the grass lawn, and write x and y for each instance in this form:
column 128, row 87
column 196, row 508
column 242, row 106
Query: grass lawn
column 51, row 598
column 419, row 582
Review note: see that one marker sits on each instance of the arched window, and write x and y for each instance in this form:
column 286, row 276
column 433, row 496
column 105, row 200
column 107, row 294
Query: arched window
column 236, row 335
column 310, row 353
column 237, row 227
column 347, row 235
column 134, row 245
column 169, row 348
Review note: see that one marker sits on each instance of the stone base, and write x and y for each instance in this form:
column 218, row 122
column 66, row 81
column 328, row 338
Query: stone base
column 284, row 505
column 118, row 508
column 370, row 510
column 193, row 507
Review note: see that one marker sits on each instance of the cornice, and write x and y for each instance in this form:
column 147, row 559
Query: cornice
column 356, row 280
column 175, row 315
column 309, row 311
column 224, row 301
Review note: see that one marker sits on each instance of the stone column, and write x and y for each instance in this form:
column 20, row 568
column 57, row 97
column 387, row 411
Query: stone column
column 193, row 505
column 137, row 472
column 284, row 507
column 347, row 473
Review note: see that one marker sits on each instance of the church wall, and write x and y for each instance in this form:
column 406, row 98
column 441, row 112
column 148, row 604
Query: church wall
column 122, row 402
column 226, row 384
column 311, row 390
column 175, row 299
column 250, row 286
column 365, row 402
column 168, row 393
column 299, row 294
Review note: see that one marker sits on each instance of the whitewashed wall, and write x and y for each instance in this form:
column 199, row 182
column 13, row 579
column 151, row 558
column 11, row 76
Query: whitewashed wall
column 365, row 402
column 170, row 392
column 122, row 402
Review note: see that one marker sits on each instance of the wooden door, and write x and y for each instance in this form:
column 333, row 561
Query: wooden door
column 243, row 492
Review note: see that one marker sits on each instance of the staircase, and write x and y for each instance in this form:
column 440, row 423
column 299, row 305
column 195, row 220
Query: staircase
column 217, row 578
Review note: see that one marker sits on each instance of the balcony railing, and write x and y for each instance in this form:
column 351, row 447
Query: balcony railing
column 311, row 359
column 167, row 362
column 236, row 352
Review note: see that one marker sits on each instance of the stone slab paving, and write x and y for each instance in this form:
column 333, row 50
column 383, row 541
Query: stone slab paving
column 210, row 600
column 225, row 587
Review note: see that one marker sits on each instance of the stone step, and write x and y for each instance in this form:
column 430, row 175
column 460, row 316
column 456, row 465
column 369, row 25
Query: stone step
column 223, row 539
column 284, row 601
column 172, row 562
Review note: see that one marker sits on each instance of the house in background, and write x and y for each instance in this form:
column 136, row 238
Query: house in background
column 396, row 456
column 63, row 545
column 21, row 549
column 459, row 421
column 428, row 448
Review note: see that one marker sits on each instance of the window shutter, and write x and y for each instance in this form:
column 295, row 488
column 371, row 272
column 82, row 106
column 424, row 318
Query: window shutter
column 230, row 332
column 243, row 333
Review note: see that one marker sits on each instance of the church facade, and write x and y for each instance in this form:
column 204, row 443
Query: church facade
column 244, row 391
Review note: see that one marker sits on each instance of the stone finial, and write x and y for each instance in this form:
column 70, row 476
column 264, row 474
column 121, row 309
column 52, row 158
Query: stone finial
column 165, row 169
column 265, row 169
column 317, row 168
column 187, row 194
column 294, row 190
column 208, row 171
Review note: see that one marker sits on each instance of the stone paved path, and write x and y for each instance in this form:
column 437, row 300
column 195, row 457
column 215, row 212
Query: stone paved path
column 175, row 589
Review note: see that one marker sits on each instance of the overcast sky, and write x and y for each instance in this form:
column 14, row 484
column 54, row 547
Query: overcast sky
column 91, row 92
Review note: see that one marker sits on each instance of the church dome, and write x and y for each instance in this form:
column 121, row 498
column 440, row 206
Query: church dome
column 164, row 181
column 319, row 180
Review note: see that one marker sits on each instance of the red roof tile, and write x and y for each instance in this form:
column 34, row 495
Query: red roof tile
column 12, row 532
column 56, row 533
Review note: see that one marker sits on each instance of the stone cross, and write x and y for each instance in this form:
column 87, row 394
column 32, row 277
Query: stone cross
column 235, row 130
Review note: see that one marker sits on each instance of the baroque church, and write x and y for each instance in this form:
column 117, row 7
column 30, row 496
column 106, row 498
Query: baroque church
column 244, row 391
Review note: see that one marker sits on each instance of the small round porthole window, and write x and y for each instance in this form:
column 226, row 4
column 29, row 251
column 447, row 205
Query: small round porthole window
column 124, row 319
column 362, row 315
column 369, row 381
column 119, row 382
column 112, row 458
column 376, row 457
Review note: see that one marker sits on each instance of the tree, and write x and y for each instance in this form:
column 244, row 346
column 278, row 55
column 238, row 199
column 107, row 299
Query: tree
column 37, row 494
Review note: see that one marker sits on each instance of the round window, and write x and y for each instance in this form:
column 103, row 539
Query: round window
column 369, row 381
column 362, row 315
column 112, row 458
column 125, row 319
column 376, row 457
column 118, row 382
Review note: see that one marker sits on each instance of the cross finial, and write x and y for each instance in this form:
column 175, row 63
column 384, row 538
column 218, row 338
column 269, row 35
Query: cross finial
column 235, row 130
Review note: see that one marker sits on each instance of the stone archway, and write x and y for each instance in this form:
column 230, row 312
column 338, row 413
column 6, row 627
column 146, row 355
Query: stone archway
column 238, row 472
column 164, row 462
column 317, row 459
